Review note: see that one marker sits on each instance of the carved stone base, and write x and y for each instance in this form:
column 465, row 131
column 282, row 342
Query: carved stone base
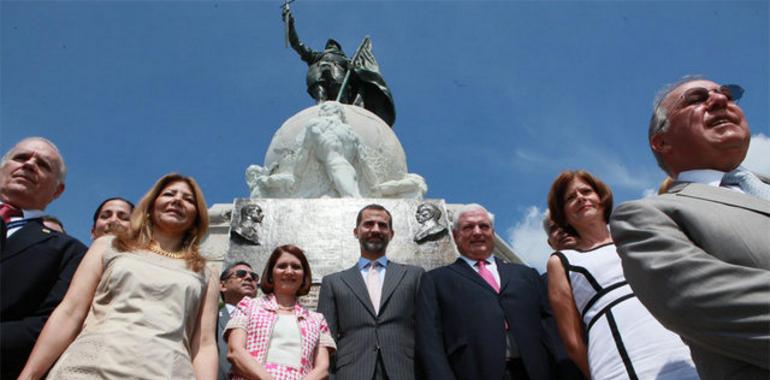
column 323, row 228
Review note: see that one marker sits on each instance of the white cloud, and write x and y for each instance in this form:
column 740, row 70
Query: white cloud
column 650, row 192
column 758, row 157
column 529, row 241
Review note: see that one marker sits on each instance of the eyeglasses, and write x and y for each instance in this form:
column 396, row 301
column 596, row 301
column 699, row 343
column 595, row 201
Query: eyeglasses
column 243, row 273
column 697, row 95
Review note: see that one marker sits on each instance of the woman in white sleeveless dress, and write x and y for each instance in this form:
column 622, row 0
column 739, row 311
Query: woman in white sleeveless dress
column 141, row 305
column 607, row 332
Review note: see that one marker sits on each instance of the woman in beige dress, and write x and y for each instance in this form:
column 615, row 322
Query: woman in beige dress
column 141, row 305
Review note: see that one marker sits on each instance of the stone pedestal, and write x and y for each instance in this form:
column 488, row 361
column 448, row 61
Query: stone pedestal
column 250, row 229
column 323, row 165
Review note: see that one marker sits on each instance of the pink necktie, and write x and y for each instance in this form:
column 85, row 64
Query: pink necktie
column 487, row 275
column 374, row 286
column 7, row 212
column 490, row 279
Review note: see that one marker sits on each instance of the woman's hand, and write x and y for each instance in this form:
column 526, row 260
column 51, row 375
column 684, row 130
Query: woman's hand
column 321, row 367
column 243, row 363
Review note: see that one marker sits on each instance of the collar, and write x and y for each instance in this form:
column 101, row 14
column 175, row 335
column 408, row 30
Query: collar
column 472, row 263
column 364, row 263
column 28, row 214
column 269, row 303
column 709, row 177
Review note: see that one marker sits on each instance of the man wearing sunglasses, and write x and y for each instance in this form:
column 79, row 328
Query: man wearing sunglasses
column 698, row 255
column 236, row 281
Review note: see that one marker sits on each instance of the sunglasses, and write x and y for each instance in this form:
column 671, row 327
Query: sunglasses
column 698, row 95
column 243, row 273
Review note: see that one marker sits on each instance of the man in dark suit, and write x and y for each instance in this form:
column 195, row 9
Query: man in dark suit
column 370, row 307
column 481, row 318
column 698, row 256
column 238, row 280
column 36, row 263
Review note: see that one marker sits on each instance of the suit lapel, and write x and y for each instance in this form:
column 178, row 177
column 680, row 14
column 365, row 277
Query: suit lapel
column 28, row 235
column 224, row 317
column 505, row 274
column 353, row 279
column 466, row 271
column 393, row 276
column 721, row 195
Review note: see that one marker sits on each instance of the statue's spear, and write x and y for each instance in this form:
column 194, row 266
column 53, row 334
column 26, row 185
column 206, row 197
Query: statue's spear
column 353, row 61
column 285, row 7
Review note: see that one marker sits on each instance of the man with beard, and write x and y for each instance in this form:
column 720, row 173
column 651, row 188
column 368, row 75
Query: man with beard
column 370, row 307
column 236, row 281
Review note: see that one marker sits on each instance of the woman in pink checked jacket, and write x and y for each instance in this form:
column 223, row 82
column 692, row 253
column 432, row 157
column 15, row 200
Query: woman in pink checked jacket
column 274, row 337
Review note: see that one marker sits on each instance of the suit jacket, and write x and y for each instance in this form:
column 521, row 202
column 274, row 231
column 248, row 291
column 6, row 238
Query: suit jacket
column 361, row 334
column 461, row 322
column 224, row 365
column 698, row 258
column 36, row 267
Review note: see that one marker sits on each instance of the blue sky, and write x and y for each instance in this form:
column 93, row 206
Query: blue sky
column 493, row 99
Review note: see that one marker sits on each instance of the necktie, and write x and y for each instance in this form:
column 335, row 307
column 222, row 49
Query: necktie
column 487, row 275
column 374, row 285
column 748, row 182
column 7, row 212
column 490, row 279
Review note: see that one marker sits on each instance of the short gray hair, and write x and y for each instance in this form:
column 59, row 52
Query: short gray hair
column 62, row 166
column 468, row 208
column 659, row 120
column 547, row 221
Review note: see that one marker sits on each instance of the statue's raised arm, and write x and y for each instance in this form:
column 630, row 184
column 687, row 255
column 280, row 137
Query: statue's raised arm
column 326, row 69
column 306, row 53
column 326, row 73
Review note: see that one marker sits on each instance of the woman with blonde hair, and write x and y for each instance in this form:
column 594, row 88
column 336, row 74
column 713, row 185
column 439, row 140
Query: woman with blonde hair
column 606, row 330
column 141, row 305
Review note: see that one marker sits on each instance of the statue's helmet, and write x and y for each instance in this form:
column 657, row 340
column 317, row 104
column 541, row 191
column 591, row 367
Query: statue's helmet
column 331, row 44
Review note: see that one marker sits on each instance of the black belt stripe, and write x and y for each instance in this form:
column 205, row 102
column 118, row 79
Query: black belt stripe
column 600, row 294
column 606, row 309
column 621, row 348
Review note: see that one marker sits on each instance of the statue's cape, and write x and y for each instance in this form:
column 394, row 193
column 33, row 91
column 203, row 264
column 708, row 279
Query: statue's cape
column 376, row 94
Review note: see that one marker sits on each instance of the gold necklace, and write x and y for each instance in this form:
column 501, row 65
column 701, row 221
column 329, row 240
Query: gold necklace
column 174, row 255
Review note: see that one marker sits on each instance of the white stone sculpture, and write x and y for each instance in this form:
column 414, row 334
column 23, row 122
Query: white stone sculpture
column 334, row 150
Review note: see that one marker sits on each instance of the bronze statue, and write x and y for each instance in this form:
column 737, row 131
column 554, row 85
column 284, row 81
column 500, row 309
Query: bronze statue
column 327, row 71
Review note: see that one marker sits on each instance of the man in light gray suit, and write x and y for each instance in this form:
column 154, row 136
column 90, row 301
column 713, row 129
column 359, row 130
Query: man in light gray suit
column 236, row 281
column 370, row 307
column 698, row 256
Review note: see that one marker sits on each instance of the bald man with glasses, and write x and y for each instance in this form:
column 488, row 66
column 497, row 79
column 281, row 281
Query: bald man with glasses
column 698, row 255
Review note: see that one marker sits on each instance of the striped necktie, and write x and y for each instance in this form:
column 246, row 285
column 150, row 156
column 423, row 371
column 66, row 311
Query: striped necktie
column 748, row 182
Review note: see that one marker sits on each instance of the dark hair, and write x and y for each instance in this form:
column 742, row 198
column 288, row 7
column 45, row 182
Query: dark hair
column 226, row 272
column 99, row 209
column 266, row 282
column 559, row 187
column 377, row 207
